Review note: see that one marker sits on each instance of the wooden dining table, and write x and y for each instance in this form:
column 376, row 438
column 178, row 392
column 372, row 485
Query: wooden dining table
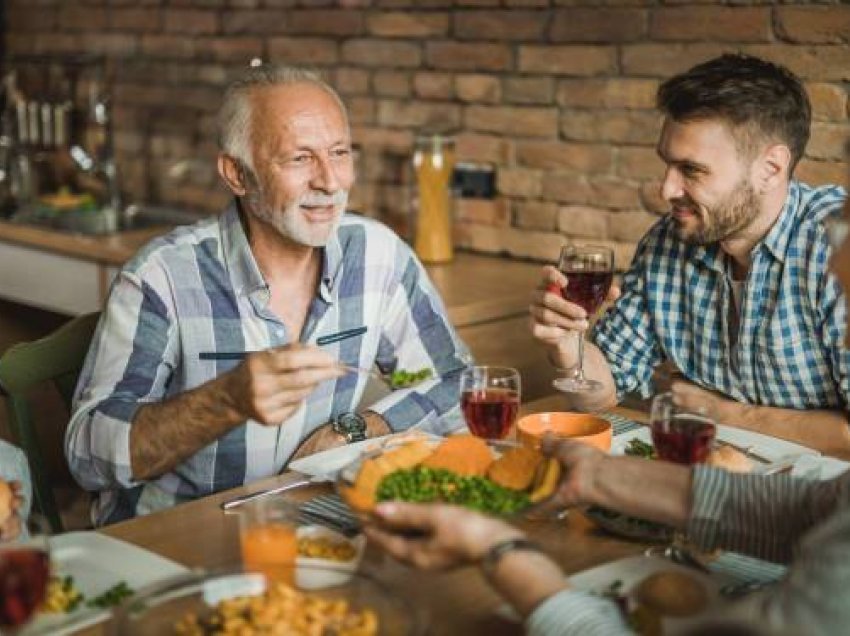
column 199, row 534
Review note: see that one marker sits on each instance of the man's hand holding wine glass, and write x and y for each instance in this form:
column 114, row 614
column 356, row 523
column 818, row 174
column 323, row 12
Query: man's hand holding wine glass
column 561, row 308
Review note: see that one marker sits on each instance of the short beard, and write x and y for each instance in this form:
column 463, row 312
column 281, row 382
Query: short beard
column 727, row 218
column 286, row 221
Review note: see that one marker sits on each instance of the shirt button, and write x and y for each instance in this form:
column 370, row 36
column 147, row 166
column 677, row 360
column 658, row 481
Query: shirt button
column 279, row 333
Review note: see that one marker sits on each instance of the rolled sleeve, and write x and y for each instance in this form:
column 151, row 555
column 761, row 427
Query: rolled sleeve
column 574, row 613
column 125, row 368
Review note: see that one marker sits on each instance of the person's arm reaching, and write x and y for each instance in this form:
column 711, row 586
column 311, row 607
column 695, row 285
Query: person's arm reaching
column 439, row 537
column 764, row 516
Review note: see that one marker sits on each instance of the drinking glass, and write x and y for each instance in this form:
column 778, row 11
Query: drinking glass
column 267, row 536
column 490, row 400
column 590, row 271
column 684, row 436
column 24, row 573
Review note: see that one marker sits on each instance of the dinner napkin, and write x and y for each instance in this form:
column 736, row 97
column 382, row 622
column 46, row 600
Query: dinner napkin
column 332, row 512
column 620, row 424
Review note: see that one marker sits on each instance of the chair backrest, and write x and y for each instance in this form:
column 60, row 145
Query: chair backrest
column 56, row 358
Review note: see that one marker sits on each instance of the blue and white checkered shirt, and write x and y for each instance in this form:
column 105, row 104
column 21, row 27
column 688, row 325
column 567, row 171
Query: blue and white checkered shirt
column 676, row 301
column 198, row 289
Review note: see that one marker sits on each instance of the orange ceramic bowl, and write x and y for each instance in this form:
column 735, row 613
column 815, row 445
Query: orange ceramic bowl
column 581, row 427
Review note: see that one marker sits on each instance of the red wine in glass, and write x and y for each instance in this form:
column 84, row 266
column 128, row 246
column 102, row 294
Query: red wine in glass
column 490, row 413
column 684, row 438
column 23, row 583
column 588, row 288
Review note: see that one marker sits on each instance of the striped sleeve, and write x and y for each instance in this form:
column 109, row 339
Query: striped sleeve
column 574, row 613
column 763, row 516
column 126, row 367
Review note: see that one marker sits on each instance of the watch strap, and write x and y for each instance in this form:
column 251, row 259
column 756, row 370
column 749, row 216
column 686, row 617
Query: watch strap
column 491, row 558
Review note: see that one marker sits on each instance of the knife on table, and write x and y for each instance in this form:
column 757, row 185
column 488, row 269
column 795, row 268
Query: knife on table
column 230, row 504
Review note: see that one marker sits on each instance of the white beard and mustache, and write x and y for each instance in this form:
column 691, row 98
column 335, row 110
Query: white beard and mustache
column 289, row 222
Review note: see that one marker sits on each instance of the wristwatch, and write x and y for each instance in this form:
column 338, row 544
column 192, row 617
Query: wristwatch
column 351, row 426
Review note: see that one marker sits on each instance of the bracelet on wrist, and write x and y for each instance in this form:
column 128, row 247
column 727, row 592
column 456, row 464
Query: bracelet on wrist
column 494, row 555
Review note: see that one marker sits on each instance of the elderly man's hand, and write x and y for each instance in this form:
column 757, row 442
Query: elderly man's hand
column 556, row 322
column 436, row 536
column 269, row 386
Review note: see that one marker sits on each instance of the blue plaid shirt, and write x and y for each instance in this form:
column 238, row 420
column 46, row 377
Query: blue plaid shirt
column 676, row 301
column 199, row 289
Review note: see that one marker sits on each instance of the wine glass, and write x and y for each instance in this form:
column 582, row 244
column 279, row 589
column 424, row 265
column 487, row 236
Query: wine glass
column 590, row 272
column 24, row 573
column 490, row 400
column 684, row 436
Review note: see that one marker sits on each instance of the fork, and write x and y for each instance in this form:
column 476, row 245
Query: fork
column 353, row 369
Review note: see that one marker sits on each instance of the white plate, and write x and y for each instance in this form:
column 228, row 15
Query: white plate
column 327, row 464
column 771, row 448
column 631, row 571
column 97, row 562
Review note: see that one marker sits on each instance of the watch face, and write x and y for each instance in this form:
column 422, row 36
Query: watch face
column 350, row 424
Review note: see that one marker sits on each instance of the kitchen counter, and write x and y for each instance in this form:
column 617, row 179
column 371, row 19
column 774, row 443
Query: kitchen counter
column 486, row 297
column 112, row 249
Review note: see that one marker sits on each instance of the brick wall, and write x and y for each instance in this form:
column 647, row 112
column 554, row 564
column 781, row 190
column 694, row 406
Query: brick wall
column 557, row 93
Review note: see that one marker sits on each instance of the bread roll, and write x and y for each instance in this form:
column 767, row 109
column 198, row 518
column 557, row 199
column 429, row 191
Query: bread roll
column 729, row 459
column 6, row 499
column 672, row 593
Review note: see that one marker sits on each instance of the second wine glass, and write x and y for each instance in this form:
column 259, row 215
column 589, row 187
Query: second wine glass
column 489, row 399
column 590, row 271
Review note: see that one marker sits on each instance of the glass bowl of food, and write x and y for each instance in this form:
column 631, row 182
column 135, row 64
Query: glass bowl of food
column 238, row 601
column 496, row 477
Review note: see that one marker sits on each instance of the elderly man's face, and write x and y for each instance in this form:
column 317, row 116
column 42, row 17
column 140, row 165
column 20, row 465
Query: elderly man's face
column 707, row 183
column 303, row 169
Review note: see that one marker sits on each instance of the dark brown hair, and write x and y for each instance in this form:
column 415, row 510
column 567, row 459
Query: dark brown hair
column 765, row 101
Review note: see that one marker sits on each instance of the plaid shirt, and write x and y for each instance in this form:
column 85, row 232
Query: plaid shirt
column 199, row 289
column 676, row 302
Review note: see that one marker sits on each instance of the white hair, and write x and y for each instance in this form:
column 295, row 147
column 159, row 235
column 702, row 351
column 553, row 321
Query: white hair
column 234, row 116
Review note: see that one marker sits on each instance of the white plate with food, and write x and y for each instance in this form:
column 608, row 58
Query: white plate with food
column 761, row 448
column 650, row 589
column 103, row 570
column 327, row 464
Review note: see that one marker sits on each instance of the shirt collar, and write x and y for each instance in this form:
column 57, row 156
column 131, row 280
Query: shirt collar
column 332, row 262
column 780, row 234
column 776, row 240
column 245, row 273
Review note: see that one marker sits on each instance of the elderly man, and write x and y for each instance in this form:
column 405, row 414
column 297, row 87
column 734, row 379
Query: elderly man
column 731, row 287
column 229, row 345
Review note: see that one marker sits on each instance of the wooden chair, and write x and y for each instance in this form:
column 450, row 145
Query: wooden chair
column 56, row 358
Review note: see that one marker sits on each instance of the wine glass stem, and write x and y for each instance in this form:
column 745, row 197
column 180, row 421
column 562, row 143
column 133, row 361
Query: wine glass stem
column 579, row 375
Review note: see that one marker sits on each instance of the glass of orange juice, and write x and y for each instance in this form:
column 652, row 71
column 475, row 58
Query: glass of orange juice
column 267, row 537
